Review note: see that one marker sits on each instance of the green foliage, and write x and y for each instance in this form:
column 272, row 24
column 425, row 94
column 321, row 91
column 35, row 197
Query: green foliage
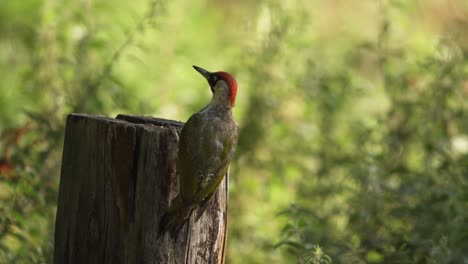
column 391, row 186
column 352, row 113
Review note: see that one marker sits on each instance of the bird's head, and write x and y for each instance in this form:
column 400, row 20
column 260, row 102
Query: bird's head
column 222, row 84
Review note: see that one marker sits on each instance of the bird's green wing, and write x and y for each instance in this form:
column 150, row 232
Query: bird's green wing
column 205, row 150
column 189, row 159
column 218, row 164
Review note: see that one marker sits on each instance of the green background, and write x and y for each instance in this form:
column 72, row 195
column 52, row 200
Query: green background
column 353, row 116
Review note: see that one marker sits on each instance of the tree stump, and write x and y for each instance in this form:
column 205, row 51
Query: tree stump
column 118, row 177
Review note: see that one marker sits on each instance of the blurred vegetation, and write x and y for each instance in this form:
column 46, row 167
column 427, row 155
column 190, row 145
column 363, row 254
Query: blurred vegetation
column 353, row 115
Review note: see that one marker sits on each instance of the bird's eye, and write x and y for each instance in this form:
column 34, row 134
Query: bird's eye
column 214, row 78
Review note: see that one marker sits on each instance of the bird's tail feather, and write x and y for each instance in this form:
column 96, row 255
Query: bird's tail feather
column 175, row 217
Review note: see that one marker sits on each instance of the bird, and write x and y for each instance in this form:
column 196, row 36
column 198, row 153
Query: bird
column 206, row 146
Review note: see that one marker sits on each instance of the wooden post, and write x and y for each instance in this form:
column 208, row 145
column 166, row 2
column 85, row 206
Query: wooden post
column 118, row 177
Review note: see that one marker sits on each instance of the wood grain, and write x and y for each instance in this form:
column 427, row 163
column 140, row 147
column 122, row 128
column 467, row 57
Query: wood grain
column 118, row 177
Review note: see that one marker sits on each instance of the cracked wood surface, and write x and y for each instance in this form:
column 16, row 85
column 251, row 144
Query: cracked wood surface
column 118, row 177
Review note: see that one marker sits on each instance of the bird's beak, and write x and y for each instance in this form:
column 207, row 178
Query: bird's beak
column 203, row 72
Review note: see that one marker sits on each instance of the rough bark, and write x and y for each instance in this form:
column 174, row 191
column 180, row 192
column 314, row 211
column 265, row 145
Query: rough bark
column 118, row 177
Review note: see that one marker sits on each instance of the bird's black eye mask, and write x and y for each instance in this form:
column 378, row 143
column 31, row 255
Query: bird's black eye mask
column 214, row 78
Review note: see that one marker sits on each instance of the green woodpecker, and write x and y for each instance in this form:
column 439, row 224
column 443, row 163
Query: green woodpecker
column 206, row 145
